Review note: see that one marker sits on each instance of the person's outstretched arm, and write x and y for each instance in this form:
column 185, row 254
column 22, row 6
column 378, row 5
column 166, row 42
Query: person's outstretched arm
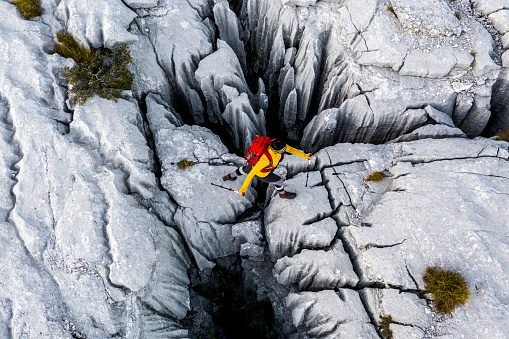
column 297, row 152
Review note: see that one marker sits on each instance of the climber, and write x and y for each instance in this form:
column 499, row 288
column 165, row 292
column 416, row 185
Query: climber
column 268, row 160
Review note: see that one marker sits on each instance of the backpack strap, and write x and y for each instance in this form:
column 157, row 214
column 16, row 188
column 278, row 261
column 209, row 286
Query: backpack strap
column 267, row 168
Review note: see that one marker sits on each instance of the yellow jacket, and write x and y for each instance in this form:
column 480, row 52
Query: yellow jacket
column 264, row 162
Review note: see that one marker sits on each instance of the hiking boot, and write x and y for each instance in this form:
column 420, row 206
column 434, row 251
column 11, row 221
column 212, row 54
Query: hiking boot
column 287, row 195
column 229, row 178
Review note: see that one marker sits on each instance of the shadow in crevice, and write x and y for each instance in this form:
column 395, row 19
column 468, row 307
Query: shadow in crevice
column 235, row 310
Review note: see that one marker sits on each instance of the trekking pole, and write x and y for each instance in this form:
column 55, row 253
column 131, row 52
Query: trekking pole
column 226, row 188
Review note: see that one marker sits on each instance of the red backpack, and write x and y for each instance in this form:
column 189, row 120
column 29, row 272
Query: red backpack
column 258, row 148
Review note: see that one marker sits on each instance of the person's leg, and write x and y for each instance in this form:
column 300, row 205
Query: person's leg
column 238, row 172
column 278, row 182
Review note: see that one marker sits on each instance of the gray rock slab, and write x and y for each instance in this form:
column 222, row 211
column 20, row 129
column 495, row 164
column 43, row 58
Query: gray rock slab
column 5, row 317
column 439, row 116
column 358, row 66
column 243, row 121
column 406, row 332
column 149, row 77
column 505, row 41
column 406, row 308
column 157, row 326
column 208, row 240
column 489, row 6
column 179, row 53
column 300, row 3
column 97, row 23
column 462, row 194
column 482, row 46
column 431, row 131
column 435, row 64
column 215, row 71
column 329, row 314
column 197, row 144
column 167, row 290
column 119, row 140
column 314, row 270
column 229, row 30
column 141, row 3
column 500, row 20
column 422, row 17
column 505, row 59
column 388, row 50
column 287, row 232
column 161, row 114
column 248, row 232
column 129, row 234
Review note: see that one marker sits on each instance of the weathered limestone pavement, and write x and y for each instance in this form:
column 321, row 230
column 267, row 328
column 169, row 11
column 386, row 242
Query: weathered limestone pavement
column 102, row 233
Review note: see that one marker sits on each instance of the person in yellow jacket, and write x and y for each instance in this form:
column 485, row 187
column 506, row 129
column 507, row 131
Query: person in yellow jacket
column 264, row 167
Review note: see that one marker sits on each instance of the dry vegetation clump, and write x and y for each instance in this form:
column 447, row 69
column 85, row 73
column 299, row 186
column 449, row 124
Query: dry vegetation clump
column 448, row 288
column 385, row 322
column 376, row 176
column 184, row 163
column 503, row 135
column 98, row 71
column 28, row 8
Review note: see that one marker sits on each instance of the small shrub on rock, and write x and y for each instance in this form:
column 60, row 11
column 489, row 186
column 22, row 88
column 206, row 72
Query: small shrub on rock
column 385, row 322
column 503, row 135
column 98, row 71
column 448, row 288
column 376, row 176
column 68, row 47
column 28, row 8
column 184, row 163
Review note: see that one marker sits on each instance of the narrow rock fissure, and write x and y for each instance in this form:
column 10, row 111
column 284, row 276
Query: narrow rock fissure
column 370, row 313
column 107, row 243
column 157, row 169
column 371, row 245
column 346, row 245
column 427, row 161
column 411, row 276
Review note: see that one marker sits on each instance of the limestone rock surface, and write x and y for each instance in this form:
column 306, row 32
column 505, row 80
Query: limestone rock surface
column 104, row 235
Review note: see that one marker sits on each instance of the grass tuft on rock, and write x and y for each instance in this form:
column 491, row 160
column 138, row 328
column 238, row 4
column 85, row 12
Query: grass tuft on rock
column 28, row 8
column 503, row 135
column 184, row 163
column 449, row 289
column 385, row 322
column 68, row 47
column 98, row 71
column 376, row 176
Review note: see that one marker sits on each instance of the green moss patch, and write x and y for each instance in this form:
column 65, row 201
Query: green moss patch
column 98, row 71
column 503, row 135
column 448, row 288
column 385, row 322
column 184, row 163
column 28, row 8
column 376, row 176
